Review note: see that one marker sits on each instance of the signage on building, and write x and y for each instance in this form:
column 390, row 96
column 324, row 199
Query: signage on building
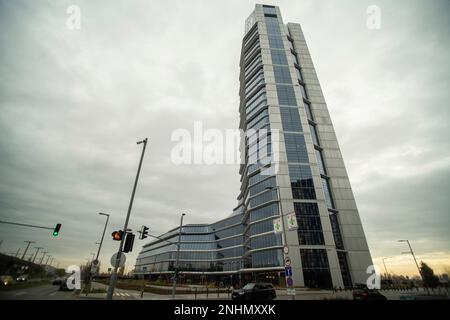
column 292, row 221
column 288, row 271
column 277, row 226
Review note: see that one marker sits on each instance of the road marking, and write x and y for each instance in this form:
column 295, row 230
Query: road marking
column 53, row 293
column 20, row 293
column 127, row 294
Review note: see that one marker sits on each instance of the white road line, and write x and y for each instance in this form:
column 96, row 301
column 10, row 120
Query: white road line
column 52, row 294
column 20, row 293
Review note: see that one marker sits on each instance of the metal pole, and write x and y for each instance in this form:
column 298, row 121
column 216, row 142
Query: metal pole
column 17, row 253
column 51, row 261
column 48, row 258
column 174, row 287
column 113, row 279
column 38, row 248
column 43, row 255
column 26, row 249
column 103, row 235
column 412, row 253
column 99, row 247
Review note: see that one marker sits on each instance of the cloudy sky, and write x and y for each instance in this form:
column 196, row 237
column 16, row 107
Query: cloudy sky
column 73, row 103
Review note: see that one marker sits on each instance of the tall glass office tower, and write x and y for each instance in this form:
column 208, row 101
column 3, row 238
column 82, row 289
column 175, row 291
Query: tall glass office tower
column 292, row 167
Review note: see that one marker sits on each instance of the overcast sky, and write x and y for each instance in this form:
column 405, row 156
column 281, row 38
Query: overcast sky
column 73, row 103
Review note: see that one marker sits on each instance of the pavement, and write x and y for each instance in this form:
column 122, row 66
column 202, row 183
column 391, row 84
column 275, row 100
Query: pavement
column 44, row 292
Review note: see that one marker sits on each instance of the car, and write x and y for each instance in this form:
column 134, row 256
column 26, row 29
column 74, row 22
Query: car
column 22, row 278
column 57, row 281
column 255, row 291
column 63, row 285
column 364, row 293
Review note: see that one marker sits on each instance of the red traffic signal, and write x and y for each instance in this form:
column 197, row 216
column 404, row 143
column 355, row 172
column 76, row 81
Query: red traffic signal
column 117, row 235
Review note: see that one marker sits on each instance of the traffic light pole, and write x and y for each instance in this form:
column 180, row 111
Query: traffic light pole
column 113, row 280
column 174, row 286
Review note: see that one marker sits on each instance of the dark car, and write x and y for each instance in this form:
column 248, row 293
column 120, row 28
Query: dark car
column 255, row 291
column 63, row 285
column 364, row 293
column 57, row 281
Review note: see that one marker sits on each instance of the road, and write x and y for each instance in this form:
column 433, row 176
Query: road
column 44, row 292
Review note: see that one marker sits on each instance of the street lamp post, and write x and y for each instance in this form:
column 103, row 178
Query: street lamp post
column 26, row 249
column 174, row 287
column 113, row 280
column 99, row 247
column 43, row 255
column 34, row 258
column 415, row 260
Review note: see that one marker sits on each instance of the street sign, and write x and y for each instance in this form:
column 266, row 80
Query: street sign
column 286, row 249
column 292, row 221
column 289, row 281
column 288, row 271
column 277, row 226
column 287, row 261
column 122, row 260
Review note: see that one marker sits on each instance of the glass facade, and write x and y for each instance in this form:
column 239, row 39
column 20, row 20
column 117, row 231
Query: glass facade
column 246, row 242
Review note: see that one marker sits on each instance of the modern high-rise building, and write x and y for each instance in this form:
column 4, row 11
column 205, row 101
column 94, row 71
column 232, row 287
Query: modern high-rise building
column 298, row 175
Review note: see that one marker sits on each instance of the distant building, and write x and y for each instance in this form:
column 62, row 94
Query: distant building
column 279, row 92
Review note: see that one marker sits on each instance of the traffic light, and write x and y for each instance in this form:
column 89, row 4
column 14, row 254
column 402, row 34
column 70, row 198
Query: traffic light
column 129, row 240
column 117, row 235
column 56, row 230
column 144, row 233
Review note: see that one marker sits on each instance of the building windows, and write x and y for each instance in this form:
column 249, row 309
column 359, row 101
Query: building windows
column 296, row 148
column 336, row 231
column 261, row 227
column 266, row 241
column 264, row 212
column 269, row 9
column 326, row 190
column 290, row 119
column 282, row 74
column 309, row 224
column 275, row 42
column 301, row 182
column 299, row 74
column 308, row 111
column 320, row 162
column 260, row 187
column 268, row 258
column 303, row 90
column 279, row 57
column 345, row 270
column 315, row 139
column 263, row 198
column 286, row 95
column 316, row 271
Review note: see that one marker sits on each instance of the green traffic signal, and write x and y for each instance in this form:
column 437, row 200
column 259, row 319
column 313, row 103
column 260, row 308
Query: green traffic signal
column 56, row 230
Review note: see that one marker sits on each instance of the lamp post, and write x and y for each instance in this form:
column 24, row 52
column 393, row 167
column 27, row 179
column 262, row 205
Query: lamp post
column 174, row 287
column 38, row 248
column 43, row 255
column 26, row 249
column 113, row 280
column 412, row 253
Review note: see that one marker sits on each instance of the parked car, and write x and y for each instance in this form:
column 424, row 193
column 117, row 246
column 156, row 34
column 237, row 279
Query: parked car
column 255, row 291
column 361, row 292
column 57, row 281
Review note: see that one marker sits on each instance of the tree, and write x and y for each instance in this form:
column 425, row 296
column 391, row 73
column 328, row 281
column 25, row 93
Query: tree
column 430, row 280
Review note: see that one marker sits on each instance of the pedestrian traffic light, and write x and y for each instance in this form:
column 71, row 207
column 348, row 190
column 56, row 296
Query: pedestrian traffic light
column 117, row 235
column 129, row 241
column 56, row 230
column 143, row 232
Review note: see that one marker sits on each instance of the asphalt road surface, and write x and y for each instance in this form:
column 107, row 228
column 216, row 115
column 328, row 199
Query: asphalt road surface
column 44, row 292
